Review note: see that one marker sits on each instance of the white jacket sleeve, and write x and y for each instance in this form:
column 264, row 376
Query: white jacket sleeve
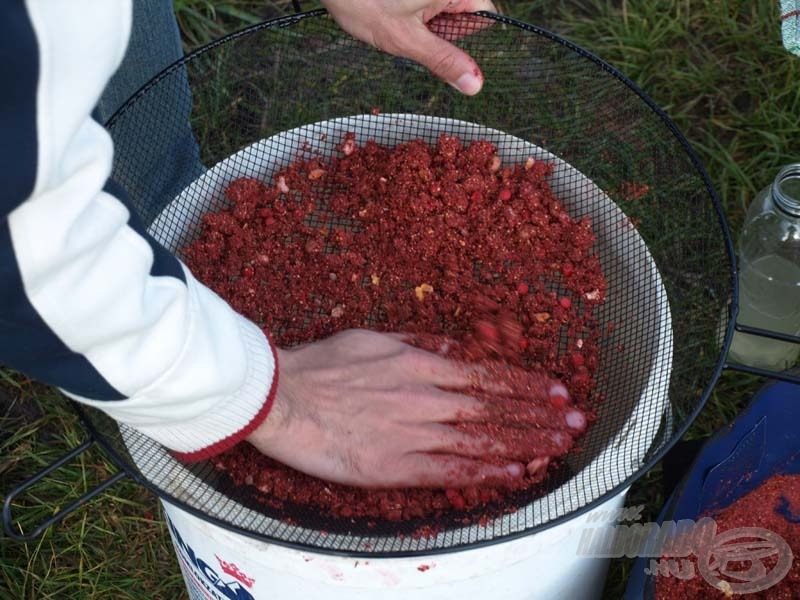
column 87, row 303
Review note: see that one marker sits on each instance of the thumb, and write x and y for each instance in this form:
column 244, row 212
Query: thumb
column 444, row 60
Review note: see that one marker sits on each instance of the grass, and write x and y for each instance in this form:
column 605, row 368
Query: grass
column 118, row 548
column 716, row 66
column 202, row 21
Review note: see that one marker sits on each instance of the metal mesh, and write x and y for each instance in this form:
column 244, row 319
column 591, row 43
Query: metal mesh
column 244, row 106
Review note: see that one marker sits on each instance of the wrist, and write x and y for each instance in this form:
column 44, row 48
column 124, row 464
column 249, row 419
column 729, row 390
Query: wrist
column 264, row 431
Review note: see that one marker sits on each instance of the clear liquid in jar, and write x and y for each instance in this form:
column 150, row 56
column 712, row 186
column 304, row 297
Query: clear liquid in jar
column 769, row 298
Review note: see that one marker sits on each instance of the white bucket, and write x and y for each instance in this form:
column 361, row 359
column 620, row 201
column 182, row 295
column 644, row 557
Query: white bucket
column 221, row 565
column 542, row 565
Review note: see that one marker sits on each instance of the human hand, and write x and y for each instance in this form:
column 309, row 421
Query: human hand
column 367, row 409
column 399, row 27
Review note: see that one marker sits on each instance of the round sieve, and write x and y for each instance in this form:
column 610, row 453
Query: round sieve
column 248, row 102
column 630, row 431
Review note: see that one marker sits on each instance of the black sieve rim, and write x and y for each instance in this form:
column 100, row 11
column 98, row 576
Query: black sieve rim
column 652, row 458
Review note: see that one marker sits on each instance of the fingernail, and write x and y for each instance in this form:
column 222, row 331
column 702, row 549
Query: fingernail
column 468, row 84
column 576, row 420
column 559, row 396
column 514, row 470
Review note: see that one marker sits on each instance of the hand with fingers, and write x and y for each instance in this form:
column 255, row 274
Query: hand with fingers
column 368, row 409
column 399, row 27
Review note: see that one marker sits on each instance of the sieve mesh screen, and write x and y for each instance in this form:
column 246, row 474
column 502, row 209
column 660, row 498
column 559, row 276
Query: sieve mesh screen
column 246, row 104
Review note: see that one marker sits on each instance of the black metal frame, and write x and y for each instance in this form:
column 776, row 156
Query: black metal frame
column 91, row 440
column 722, row 363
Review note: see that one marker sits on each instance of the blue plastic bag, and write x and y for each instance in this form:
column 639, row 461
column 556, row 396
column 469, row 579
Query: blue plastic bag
column 763, row 441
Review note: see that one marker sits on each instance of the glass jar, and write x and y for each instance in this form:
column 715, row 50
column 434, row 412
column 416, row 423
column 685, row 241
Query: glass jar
column 769, row 274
